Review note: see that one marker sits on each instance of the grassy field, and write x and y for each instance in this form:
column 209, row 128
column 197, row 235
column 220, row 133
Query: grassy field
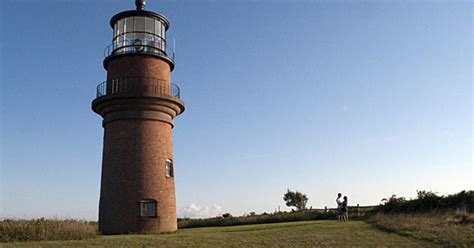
column 305, row 233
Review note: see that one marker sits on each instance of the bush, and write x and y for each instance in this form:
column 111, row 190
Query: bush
column 428, row 201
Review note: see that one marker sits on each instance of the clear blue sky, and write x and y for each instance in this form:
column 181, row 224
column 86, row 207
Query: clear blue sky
column 365, row 98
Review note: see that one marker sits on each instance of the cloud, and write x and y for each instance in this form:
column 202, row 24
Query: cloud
column 195, row 211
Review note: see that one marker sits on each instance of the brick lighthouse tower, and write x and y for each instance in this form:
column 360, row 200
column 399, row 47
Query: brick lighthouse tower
column 138, row 103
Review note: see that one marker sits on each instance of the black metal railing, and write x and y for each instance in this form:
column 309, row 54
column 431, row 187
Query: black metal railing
column 150, row 46
column 137, row 86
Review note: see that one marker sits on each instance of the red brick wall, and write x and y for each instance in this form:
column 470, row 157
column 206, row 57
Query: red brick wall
column 138, row 65
column 134, row 160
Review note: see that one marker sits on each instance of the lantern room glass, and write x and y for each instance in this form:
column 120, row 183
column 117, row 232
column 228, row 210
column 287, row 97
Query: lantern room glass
column 139, row 34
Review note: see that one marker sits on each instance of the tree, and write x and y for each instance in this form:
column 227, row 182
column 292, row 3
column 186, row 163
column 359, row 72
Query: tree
column 295, row 199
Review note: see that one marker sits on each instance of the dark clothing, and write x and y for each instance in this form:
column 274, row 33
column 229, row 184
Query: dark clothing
column 344, row 207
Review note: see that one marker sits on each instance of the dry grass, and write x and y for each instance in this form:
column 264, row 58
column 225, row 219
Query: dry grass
column 449, row 228
column 42, row 229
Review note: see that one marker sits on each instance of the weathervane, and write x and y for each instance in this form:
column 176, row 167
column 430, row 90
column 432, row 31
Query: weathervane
column 140, row 4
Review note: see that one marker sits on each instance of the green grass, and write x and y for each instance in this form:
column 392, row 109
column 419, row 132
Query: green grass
column 305, row 233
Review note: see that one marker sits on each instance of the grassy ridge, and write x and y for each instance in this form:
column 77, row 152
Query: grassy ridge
column 42, row 229
column 448, row 220
column 448, row 228
column 293, row 234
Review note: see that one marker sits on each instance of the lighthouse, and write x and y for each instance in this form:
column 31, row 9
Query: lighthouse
column 138, row 103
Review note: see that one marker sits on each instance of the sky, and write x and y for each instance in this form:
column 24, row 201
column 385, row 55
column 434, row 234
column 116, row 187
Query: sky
column 366, row 98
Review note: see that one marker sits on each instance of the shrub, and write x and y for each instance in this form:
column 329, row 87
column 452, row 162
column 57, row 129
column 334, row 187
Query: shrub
column 428, row 201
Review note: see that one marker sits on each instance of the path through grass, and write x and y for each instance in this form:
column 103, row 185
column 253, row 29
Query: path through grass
column 306, row 233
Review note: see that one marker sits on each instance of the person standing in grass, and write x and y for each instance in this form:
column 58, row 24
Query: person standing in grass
column 339, row 207
column 345, row 215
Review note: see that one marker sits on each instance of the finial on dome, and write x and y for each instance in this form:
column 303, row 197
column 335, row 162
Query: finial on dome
column 140, row 4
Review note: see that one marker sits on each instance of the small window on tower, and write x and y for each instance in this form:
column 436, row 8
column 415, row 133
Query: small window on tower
column 169, row 168
column 148, row 208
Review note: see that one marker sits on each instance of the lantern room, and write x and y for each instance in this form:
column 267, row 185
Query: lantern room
column 139, row 31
